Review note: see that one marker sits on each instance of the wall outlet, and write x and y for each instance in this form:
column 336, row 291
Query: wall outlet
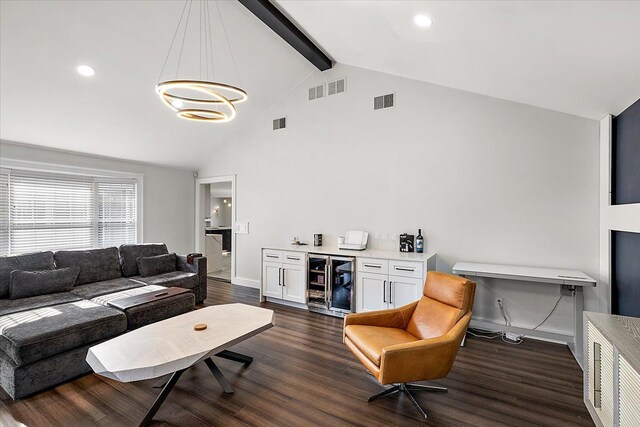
column 498, row 302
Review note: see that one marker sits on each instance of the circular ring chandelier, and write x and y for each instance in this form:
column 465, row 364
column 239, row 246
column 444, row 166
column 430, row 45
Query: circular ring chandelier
column 212, row 101
column 208, row 108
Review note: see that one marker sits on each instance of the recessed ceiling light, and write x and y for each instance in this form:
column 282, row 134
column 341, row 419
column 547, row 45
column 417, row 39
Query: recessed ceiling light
column 422, row 21
column 85, row 70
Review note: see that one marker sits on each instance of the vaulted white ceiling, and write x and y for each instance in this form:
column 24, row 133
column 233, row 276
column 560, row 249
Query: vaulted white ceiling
column 578, row 57
column 117, row 112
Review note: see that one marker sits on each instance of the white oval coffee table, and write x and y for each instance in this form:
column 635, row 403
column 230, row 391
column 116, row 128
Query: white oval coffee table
column 172, row 346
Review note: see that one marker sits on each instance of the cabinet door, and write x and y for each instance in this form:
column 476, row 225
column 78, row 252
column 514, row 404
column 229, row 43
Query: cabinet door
column 372, row 292
column 294, row 283
column 600, row 375
column 404, row 290
column 271, row 285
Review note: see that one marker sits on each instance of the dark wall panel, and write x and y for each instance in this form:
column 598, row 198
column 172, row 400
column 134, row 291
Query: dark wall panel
column 625, row 273
column 626, row 156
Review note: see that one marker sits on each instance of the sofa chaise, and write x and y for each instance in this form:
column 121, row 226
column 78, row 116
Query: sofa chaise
column 54, row 306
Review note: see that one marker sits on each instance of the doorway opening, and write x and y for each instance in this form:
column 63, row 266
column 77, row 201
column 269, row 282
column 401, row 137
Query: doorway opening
column 215, row 218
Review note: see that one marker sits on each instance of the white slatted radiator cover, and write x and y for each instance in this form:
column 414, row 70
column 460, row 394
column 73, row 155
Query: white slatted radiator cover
column 605, row 407
column 628, row 394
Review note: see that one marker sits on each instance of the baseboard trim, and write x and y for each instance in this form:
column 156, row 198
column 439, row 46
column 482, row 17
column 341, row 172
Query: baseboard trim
column 287, row 303
column 243, row 281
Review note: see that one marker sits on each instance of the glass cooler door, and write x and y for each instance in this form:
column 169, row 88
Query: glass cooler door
column 342, row 284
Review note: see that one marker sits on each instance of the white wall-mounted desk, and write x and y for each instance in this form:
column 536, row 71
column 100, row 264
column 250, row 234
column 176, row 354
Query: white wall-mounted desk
column 570, row 279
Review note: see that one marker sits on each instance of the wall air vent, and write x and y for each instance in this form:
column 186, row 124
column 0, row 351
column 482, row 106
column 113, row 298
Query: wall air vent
column 316, row 92
column 280, row 123
column 336, row 87
column 384, row 101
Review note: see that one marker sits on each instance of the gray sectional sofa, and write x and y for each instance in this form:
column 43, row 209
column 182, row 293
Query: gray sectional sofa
column 54, row 306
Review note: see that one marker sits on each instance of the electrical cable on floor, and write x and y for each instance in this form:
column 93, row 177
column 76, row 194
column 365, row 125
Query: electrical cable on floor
column 490, row 335
column 552, row 310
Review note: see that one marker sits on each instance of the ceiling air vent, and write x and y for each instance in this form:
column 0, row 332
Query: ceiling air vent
column 384, row 101
column 316, row 92
column 280, row 123
column 336, row 87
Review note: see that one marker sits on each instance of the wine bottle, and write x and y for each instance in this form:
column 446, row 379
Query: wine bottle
column 419, row 242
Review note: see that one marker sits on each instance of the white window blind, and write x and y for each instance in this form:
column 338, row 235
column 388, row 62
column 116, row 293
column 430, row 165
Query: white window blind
column 53, row 211
column 116, row 212
column 4, row 211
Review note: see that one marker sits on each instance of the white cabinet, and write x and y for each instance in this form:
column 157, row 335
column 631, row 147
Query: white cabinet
column 612, row 375
column 371, row 292
column 404, row 290
column 271, row 279
column 284, row 275
column 294, row 285
column 377, row 290
column 600, row 373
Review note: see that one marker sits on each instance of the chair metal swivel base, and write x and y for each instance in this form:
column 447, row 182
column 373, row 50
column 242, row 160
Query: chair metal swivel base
column 407, row 389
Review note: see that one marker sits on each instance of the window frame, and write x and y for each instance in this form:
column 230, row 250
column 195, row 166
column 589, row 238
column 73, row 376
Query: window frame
column 26, row 165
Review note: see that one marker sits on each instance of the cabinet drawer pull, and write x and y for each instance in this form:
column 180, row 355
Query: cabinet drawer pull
column 384, row 291
column 272, row 256
column 293, row 258
column 404, row 269
column 373, row 265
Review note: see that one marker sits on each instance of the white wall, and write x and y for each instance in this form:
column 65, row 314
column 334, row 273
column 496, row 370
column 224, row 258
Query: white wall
column 168, row 194
column 617, row 217
column 486, row 180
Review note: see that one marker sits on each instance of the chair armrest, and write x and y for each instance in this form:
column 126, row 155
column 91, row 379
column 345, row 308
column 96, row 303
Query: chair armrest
column 423, row 360
column 183, row 265
column 394, row 318
column 199, row 267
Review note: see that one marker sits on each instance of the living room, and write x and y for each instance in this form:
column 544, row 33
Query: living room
column 253, row 188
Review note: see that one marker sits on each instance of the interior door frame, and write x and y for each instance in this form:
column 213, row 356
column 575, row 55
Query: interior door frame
column 199, row 218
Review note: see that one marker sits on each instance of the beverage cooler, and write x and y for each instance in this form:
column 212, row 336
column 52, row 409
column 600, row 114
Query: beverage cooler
column 331, row 284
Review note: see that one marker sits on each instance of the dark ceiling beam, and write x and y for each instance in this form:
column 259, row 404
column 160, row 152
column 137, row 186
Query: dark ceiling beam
column 282, row 26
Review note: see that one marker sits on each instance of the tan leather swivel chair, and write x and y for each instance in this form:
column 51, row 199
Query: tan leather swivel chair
column 416, row 342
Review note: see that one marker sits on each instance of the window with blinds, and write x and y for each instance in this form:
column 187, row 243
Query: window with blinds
column 52, row 211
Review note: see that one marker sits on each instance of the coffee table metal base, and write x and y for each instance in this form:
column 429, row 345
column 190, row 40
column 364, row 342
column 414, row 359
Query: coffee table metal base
column 168, row 382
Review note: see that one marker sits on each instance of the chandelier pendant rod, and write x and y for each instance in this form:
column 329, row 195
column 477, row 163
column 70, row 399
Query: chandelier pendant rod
column 233, row 59
column 184, row 36
column 173, row 40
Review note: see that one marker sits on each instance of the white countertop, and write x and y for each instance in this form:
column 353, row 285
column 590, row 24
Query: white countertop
column 533, row 274
column 367, row 253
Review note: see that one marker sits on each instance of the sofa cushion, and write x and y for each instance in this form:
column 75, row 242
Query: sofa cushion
column 92, row 290
column 33, row 335
column 180, row 279
column 95, row 265
column 8, row 306
column 27, row 262
column 370, row 340
column 26, row 284
column 129, row 255
column 159, row 264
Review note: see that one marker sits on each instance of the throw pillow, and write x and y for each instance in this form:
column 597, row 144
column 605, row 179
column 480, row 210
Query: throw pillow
column 26, row 284
column 159, row 264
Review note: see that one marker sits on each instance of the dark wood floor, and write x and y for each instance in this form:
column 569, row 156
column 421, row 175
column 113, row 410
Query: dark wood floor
column 304, row 375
